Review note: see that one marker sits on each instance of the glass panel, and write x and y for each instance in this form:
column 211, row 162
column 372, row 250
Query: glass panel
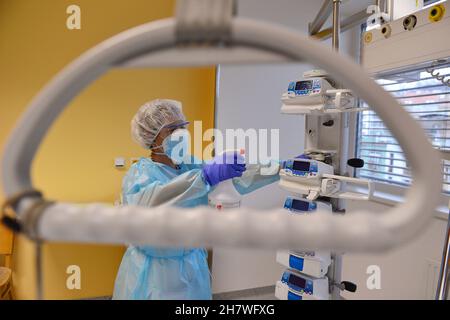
column 428, row 101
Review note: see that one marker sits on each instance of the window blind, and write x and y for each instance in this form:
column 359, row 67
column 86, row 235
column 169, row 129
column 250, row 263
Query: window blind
column 428, row 101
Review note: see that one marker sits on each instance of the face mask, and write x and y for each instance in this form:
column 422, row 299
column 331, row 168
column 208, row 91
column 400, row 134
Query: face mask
column 176, row 146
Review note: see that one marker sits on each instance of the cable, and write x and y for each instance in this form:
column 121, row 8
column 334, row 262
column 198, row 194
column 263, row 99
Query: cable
column 433, row 70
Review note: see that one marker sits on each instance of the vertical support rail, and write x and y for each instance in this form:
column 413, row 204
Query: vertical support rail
column 39, row 271
column 386, row 6
column 444, row 276
column 336, row 24
column 378, row 3
column 389, row 8
column 321, row 18
column 336, row 266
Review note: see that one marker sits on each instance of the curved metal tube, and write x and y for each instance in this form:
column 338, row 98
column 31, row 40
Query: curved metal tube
column 167, row 226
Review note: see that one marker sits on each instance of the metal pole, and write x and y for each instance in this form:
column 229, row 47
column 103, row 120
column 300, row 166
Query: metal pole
column 321, row 18
column 383, row 5
column 389, row 9
column 39, row 271
column 443, row 283
column 337, row 257
column 378, row 4
column 336, row 23
column 350, row 22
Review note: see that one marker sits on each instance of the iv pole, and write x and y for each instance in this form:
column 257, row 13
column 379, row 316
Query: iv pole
column 444, row 274
column 444, row 278
column 336, row 267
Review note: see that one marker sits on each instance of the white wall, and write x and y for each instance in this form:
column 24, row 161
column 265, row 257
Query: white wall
column 409, row 271
column 250, row 98
column 404, row 270
column 405, row 7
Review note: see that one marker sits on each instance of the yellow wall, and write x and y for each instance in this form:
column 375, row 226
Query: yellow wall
column 75, row 162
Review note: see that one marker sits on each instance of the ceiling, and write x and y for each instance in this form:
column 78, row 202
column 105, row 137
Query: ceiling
column 350, row 7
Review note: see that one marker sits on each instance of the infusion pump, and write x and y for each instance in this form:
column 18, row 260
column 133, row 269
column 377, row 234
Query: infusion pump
column 304, row 206
column 313, row 263
column 315, row 179
column 316, row 94
column 295, row 286
column 308, row 91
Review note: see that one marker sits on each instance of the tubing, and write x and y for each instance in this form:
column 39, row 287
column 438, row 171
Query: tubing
column 358, row 231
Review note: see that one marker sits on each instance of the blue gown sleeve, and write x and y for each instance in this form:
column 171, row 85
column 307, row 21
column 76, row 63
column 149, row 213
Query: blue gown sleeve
column 252, row 179
column 194, row 163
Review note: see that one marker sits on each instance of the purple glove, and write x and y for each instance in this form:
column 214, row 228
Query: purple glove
column 223, row 167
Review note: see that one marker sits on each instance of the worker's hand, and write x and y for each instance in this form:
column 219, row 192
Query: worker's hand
column 223, row 167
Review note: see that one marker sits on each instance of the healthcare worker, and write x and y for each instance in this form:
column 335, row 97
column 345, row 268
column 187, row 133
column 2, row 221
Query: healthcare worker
column 173, row 178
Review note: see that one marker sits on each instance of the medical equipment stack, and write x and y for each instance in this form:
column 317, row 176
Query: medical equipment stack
column 311, row 178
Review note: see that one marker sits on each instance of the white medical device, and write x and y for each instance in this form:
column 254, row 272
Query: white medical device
column 297, row 205
column 316, row 179
column 309, row 170
column 312, row 263
column 295, row 286
column 316, row 94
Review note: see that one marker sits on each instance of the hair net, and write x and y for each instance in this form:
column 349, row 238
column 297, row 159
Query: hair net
column 152, row 117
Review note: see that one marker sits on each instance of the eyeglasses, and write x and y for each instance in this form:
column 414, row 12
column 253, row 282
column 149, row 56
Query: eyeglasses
column 177, row 125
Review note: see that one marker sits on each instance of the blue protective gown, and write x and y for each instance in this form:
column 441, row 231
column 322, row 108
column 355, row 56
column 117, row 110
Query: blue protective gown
column 151, row 273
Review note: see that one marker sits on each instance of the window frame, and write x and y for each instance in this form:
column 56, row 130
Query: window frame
column 385, row 193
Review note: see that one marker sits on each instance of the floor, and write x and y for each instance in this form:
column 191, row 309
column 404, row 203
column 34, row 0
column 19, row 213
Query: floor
column 264, row 293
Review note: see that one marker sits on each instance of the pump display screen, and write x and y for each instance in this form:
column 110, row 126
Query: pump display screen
column 301, row 166
column 303, row 85
column 296, row 281
column 300, row 205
